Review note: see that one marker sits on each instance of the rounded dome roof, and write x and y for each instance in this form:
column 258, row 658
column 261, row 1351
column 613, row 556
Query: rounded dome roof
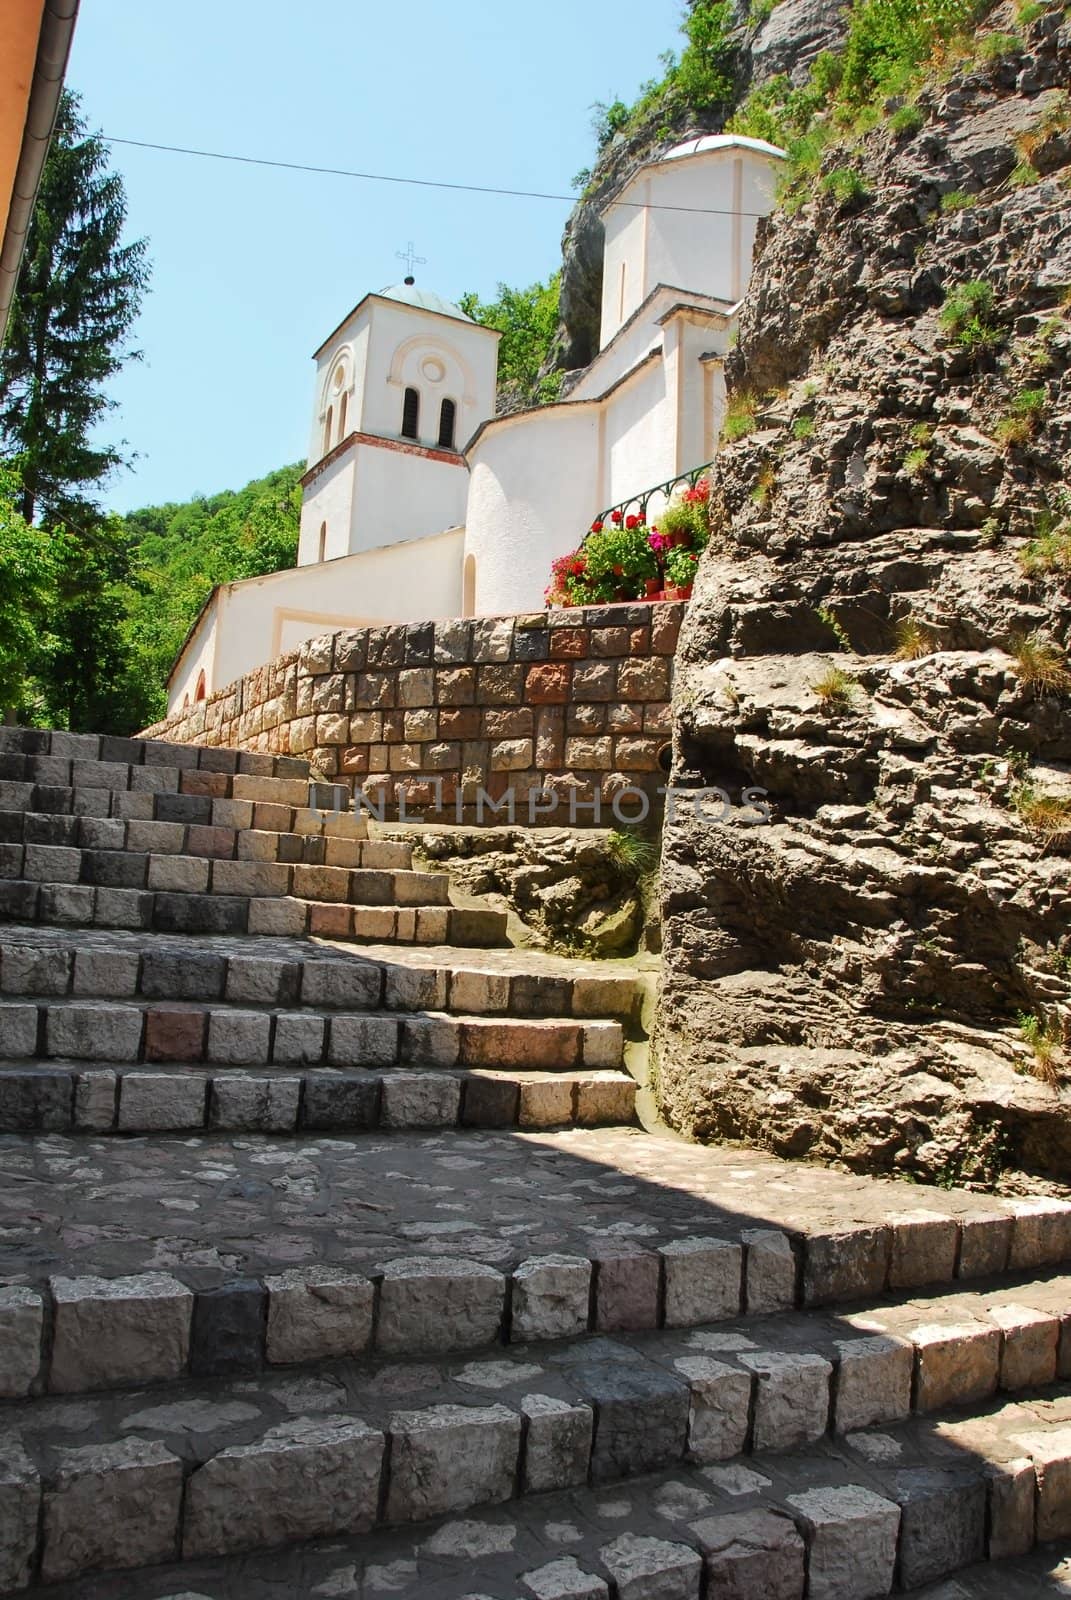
column 721, row 141
column 423, row 300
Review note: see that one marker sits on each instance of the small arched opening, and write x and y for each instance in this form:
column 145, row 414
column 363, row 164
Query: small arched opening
column 328, row 427
column 200, row 691
column 411, row 414
column 447, row 424
column 343, row 407
column 468, row 587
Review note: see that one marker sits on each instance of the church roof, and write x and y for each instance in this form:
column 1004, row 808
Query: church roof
column 720, row 141
column 424, row 300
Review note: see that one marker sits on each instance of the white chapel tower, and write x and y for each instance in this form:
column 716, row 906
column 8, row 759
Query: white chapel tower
column 401, row 386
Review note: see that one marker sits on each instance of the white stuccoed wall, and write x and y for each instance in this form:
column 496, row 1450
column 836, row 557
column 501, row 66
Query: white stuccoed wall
column 250, row 623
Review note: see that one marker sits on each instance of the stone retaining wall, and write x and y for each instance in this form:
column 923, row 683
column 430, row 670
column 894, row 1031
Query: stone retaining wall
column 571, row 704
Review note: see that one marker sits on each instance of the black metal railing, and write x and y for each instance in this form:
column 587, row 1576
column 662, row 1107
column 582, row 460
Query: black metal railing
column 638, row 505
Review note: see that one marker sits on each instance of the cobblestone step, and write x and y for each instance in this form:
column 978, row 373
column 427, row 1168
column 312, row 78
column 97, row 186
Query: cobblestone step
column 230, row 1035
column 118, row 965
column 75, row 1097
column 86, row 905
column 228, row 835
column 110, row 788
column 39, row 743
column 225, row 1466
column 123, row 868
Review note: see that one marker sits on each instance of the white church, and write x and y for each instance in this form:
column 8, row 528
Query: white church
column 419, row 504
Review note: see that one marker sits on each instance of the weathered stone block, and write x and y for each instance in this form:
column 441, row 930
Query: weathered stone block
column 420, row 1100
column 20, row 1504
column 557, row 1446
column 337, row 1100
column 641, row 1418
column 873, row 1382
column 703, row 1281
column 229, row 1329
column 1031, row 1342
column 985, row 1240
column 1050, row 1450
column 447, row 1458
column 34, row 1100
column 1012, row 1515
column 160, row 1102
column 752, row 1553
column 94, row 1032
column 551, row 1298
column 21, row 1319
column 626, row 1290
column 18, row 1031
column 363, row 1041
column 344, row 984
column 769, row 1272
column 652, row 1569
column 924, row 1245
column 431, row 1303
column 239, row 1038
column 792, row 1398
column 942, row 1526
column 299, row 1039
column 118, row 1330
column 852, row 1535
column 545, row 1102
column 490, row 1101
column 112, row 1505
column 254, row 1105
column 848, row 1265
column 95, row 1101
column 718, row 1408
column 955, row 1363
column 318, row 1312
column 606, row 1100
column 430, row 1041
column 307, row 1478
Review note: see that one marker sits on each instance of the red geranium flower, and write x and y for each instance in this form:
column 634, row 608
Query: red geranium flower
column 596, row 526
column 616, row 517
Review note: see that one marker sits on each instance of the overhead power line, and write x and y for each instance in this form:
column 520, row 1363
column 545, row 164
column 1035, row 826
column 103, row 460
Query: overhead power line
column 418, row 183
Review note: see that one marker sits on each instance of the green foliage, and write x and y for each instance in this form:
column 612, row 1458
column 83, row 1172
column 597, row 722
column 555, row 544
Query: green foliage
column 608, row 120
column 1023, row 416
column 690, row 517
column 179, row 552
column 740, row 416
column 916, row 461
column 1029, row 11
column 847, row 186
column 968, row 316
column 620, row 553
column 957, row 200
column 1043, row 1039
column 890, row 41
column 1023, row 175
column 528, row 322
column 835, row 689
column 26, row 588
column 680, row 567
column 828, row 617
column 998, row 46
column 907, row 121
column 803, row 427
column 634, row 854
column 78, row 294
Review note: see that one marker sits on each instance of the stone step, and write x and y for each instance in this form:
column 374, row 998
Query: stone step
column 229, row 1035
column 230, row 837
column 227, row 1212
column 85, row 905
column 118, row 965
column 38, row 743
column 25, row 780
column 69, row 1097
column 228, row 1463
column 122, row 868
column 193, row 824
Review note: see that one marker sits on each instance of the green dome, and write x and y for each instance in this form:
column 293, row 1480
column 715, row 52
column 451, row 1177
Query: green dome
column 424, row 300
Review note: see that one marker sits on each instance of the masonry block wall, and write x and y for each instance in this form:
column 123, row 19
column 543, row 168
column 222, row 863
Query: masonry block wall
column 572, row 702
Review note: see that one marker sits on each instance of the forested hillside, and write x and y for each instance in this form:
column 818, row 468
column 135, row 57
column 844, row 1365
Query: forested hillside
column 179, row 551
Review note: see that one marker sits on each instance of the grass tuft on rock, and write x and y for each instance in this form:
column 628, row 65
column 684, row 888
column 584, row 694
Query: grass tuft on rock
column 836, row 689
column 1040, row 664
column 914, row 639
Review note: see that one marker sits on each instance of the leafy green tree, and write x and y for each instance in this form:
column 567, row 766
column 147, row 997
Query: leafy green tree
column 528, row 322
column 26, row 591
column 78, row 294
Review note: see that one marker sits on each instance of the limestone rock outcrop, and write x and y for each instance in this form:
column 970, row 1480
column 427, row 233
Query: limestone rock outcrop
column 879, row 975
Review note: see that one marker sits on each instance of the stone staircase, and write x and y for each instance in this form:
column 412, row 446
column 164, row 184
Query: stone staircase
column 342, row 1269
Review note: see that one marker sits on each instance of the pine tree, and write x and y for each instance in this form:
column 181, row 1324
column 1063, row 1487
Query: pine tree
column 78, row 294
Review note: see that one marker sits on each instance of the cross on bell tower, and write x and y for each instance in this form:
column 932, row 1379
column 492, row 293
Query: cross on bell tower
column 411, row 259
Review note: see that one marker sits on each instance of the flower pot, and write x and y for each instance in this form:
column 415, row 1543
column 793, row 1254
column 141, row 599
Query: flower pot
column 652, row 588
column 678, row 591
column 680, row 539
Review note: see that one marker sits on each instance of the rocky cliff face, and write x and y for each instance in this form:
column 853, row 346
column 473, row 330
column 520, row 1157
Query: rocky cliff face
column 880, row 976
column 785, row 41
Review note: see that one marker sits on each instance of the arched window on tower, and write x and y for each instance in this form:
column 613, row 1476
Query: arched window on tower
column 199, row 692
column 447, row 424
column 323, row 542
column 411, row 415
column 342, row 408
column 328, row 427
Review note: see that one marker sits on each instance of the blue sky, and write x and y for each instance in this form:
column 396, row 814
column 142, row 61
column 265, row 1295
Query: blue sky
column 253, row 267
